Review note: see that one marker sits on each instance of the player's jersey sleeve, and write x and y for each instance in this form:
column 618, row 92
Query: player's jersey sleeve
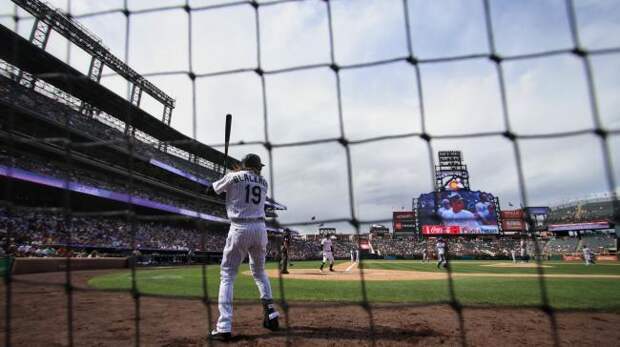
column 222, row 184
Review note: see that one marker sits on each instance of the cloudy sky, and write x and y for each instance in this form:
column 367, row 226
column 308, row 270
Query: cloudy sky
column 544, row 95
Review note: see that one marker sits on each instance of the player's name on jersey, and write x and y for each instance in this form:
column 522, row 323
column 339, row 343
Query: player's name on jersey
column 250, row 178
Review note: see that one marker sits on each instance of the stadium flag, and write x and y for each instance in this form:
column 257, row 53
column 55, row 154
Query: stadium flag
column 510, row 204
column 313, row 218
column 321, row 224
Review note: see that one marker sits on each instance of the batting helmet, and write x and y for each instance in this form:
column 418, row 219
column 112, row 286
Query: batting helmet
column 252, row 160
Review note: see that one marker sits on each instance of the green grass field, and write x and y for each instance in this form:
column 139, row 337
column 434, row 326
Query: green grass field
column 564, row 293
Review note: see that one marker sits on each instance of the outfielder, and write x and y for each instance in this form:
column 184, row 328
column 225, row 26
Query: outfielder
column 328, row 254
column 441, row 253
column 245, row 192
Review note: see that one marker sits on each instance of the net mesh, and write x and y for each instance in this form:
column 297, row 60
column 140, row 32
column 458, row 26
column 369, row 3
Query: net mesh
column 576, row 50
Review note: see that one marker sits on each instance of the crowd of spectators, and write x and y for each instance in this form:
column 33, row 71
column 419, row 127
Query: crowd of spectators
column 35, row 233
column 77, row 174
column 561, row 245
column 501, row 247
column 582, row 211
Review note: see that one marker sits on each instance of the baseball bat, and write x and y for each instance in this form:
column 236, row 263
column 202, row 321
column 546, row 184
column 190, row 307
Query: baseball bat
column 227, row 139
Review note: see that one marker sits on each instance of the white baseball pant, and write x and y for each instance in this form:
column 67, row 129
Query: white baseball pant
column 242, row 239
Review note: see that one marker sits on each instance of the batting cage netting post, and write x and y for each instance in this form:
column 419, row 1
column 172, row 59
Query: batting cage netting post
column 21, row 82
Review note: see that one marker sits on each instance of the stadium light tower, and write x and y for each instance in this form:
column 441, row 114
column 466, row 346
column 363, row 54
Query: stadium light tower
column 48, row 18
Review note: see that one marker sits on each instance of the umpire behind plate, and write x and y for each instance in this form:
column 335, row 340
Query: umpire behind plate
column 246, row 191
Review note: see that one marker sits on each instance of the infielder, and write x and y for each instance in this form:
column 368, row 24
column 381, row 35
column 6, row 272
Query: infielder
column 588, row 255
column 245, row 192
column 441, row 253
column 352, row 256
column 328, row 254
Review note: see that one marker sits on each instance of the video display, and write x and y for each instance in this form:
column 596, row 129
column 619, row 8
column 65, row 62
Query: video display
column 403, row 222
column 460, row 212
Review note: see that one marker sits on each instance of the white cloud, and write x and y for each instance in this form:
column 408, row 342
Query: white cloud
column 461, row 98
column 367, row 30
column 294, row 34
column 224, row 39
column 381, row 100
column 302, row 105
column 447, row 28
column 539, row 100
column 557, row 169
column 237, row 94
column 544, row 95
column 89, row 6
column 311, row 181
column 528, row 26
column 597, row 21
column 159, row 42
column 135, row 5
column 7, row 8
column 387, row 175
column 606, row 74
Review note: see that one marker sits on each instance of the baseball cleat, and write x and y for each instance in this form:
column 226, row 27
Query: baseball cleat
column 284, row 272
column 220, row 336
column 270, row 320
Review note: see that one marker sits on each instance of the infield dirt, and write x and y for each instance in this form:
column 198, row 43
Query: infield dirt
column 351, row 272
column 39, row 318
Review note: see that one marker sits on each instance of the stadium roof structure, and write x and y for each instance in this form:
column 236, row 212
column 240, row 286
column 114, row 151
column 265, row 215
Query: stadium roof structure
column 22, row 54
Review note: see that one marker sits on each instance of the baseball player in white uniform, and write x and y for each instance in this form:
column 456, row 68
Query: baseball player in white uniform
column 441, row 253
column 524, row 257
column 588, row 256
column 445, row 208
column 328, row 254
column 246, row 191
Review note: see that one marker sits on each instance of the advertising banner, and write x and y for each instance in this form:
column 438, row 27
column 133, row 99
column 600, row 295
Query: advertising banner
column 579, row 226
column 179, row 172
column 512, row 214
column 513, row 225
column 403, row 222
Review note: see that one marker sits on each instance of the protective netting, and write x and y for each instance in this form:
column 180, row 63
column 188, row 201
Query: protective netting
column 63, row 141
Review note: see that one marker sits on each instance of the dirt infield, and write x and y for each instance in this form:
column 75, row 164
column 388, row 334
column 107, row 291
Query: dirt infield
column 39, row 318
column 517, row 265
column 346, row 272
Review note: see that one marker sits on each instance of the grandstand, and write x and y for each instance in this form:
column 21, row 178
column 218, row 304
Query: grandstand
column 91, row 172
column 586, row 210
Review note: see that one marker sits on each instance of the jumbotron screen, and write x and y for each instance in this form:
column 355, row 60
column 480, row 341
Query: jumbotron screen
column 460, row 212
